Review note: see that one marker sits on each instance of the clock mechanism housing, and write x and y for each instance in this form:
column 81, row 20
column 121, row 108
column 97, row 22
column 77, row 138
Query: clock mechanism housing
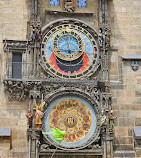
column 70, row 51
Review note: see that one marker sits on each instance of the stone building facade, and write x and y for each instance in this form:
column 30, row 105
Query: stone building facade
column 114, row 83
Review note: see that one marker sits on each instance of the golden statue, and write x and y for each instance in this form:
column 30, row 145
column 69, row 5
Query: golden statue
column 39, row 115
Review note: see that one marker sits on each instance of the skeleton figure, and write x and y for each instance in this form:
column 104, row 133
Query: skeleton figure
column 32, row 31
column 69, row 6
column 39, row 115
column 101, row 38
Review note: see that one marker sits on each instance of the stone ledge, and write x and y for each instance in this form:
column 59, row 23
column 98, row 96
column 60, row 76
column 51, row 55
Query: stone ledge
column 124, row 154
column 5, row 132
column 137, row 132
column 75, row 152
column 19, row 150
column 131, row 57
column 19, row 153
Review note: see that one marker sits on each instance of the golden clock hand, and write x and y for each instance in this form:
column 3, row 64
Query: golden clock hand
column 69, row 43
column 66, row 50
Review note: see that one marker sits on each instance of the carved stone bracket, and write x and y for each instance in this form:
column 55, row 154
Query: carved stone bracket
column 105, row 99
column 16, row 90
column 12, row 45
column 19, row 89
column 71, row 91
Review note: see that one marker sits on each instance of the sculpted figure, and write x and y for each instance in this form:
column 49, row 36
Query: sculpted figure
column 102, row 120
column 38, row 35
column 101, row 37
column 111, row 121
column 107, row 38
column 39, row 115
column 32, row 32
column 30, row 118
column 69, row 6
column 35, row 34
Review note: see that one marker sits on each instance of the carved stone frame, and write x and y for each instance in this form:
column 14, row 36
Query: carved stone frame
column 80, row 23
column 72, row 92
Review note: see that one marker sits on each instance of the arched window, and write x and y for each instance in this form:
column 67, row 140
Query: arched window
column 54, row 2
column 82, row 3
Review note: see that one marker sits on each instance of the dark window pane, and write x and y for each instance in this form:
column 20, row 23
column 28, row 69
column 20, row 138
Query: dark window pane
column 16, row 65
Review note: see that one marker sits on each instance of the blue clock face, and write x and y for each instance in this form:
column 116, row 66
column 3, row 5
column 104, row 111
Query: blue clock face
column 69, row 51
column 68, row 44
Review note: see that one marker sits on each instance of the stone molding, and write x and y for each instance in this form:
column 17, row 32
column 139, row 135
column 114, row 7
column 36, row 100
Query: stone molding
column 12, row 45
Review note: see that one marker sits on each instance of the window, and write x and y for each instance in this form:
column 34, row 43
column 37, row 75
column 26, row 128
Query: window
column 54, row 2
column 82, row 3
column 16, row 65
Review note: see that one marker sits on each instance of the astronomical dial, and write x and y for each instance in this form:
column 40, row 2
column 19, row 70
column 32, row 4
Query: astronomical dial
column 73, row 115
column 69, row 51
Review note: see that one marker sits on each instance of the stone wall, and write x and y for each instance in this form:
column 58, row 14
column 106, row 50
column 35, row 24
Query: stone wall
column 14, row 15
column 92, row 7
column 125, row 19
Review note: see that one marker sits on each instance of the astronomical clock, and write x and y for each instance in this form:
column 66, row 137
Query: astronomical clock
column 64, row 62
column 70, row 52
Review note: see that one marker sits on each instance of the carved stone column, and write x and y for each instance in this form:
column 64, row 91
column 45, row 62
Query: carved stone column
column 35, row 137
column 29, row 136
column 104, row 146
column 109, row 140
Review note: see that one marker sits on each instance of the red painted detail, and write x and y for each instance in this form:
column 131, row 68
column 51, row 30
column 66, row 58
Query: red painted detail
column 85, row 64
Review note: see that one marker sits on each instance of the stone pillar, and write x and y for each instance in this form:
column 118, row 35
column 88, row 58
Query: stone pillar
column 29, row 146
column 111, row 147
column 108, row 149
column 29, row 134
column 33, row 7
column 104, row 146
column 36, row 149
column 35, row 53
column 109, row 139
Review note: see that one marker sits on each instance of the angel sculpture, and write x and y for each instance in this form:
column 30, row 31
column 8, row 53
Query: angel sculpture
column 57, row 135
column 39, row 115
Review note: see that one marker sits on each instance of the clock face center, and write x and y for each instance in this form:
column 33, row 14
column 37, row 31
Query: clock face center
column 70, row 120
column 69, row 51
column 67, row 46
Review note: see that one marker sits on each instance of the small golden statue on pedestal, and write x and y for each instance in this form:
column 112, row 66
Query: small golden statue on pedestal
column 39, row 115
